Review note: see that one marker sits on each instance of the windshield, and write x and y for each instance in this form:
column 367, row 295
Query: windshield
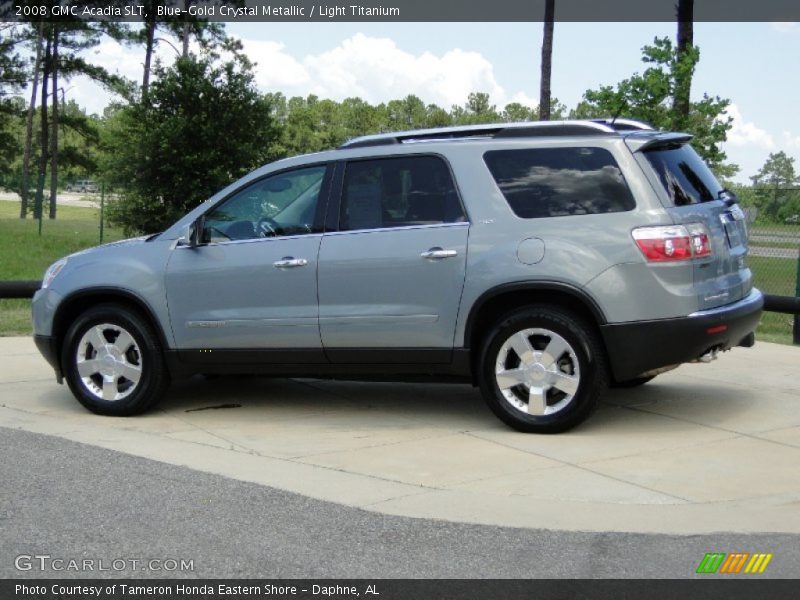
column 684, row 175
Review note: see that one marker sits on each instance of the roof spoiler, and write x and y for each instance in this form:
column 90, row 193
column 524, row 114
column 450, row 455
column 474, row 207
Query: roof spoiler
column 644, row 143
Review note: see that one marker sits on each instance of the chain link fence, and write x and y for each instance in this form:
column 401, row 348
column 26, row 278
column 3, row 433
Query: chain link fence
column 773, row 216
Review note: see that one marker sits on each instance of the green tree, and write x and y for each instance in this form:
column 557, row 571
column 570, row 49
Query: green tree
column 59, row 50
column 203, row 125
column 309, row 124
column 649, row 96
column 359, row 117
column 12, row 82
column 517, row 112
column 408, row 113
column 436, row 116
column 78, row 155
column 24, row 192
column 478, row 109
column 209, row 35
column 775, row 187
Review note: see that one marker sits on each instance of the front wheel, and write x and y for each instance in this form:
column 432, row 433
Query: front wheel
column 542, row 370
column 113, row 362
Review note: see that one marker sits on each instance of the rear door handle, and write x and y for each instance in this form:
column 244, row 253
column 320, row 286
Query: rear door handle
column 438, row 253
column 289, row 262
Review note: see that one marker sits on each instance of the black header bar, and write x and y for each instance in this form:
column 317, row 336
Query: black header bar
column 709, row 588
column 276, row 11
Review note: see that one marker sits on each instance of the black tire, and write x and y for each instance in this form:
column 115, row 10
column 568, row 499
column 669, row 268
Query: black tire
column 631, row 383
column 146, row 354
column 584, row 345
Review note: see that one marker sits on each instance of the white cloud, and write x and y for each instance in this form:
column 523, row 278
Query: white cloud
column 747, row 133
column 791, row 140
column 523, row 99
column 275, row 69
column 121, row 60
column 372, row 68
column 377, row 70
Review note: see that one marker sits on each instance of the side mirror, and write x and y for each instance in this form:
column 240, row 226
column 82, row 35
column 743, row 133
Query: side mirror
column 191, row 234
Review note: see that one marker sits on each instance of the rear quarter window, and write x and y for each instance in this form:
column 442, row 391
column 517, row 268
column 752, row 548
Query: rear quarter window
column 559, row 182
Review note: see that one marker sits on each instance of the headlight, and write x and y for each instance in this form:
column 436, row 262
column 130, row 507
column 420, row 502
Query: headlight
column 52, row 271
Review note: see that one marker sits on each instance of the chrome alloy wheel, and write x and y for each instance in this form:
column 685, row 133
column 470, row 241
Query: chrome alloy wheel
column 537, row 371
column 109, row 362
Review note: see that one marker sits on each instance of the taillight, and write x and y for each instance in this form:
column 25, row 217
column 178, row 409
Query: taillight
column 701, row 244
column 673, row 242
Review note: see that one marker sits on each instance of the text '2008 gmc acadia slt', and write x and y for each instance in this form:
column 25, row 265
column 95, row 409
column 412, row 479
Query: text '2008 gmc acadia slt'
column 542, row 262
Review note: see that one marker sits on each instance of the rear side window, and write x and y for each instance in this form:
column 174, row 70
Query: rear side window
column 558, row 182
column 684, row 175
column 398, row 192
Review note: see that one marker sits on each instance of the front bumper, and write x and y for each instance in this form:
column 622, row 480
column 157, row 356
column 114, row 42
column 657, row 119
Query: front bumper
column 642, row 346
column 49, row 349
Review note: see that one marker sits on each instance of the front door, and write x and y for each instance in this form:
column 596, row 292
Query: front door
column 251, row 283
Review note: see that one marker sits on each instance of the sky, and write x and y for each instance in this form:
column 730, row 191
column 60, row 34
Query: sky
column 755, row 65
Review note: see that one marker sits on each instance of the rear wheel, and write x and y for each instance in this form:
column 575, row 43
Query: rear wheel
column 542, row 370
column 113, row 361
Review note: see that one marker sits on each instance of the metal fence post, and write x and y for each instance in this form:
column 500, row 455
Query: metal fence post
column 39, row 205
column 102, row 206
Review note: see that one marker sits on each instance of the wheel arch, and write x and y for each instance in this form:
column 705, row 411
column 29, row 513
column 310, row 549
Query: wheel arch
column 508, row 297
column 78, row 302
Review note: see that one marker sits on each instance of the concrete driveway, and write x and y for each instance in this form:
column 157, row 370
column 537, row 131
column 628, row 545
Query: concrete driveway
column 702, row 449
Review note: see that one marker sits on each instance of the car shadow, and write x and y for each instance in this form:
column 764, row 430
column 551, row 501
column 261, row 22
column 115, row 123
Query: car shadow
column 454, row 406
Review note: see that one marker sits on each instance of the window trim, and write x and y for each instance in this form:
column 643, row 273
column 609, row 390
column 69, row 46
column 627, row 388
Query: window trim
column 568, row 147
column 319, row 212
column 332, row 221
column 400, row 228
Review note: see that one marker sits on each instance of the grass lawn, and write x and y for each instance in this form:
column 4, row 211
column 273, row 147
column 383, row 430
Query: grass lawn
column 767, row 228
column 775, row 276
column 25, row 255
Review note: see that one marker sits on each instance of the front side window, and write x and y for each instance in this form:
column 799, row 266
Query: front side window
column 398, row 192
column 278, row 205
column 684, row 175
column 558, row 182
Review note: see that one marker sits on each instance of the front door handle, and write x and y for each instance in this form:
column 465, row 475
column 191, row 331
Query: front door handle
column 289, row 262
column 438, row 253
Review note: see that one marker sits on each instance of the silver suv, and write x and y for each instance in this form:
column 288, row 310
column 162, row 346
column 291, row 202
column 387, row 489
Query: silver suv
column 541, row 262
column 82, row 185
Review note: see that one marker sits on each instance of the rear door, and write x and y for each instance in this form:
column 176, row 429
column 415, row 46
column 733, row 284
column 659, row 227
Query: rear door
column 692, row 194
column 390, row 278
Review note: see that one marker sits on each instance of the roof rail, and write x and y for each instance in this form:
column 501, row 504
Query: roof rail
column 625, row 124
column 496, row 130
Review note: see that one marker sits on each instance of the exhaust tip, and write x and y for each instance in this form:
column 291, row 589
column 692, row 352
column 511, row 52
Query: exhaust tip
column 707, row 357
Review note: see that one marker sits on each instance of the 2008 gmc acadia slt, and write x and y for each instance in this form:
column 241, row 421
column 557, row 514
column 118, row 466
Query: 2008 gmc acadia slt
column 543, row 262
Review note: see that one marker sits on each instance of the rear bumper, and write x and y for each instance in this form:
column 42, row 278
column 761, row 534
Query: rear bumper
column 636, row 348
